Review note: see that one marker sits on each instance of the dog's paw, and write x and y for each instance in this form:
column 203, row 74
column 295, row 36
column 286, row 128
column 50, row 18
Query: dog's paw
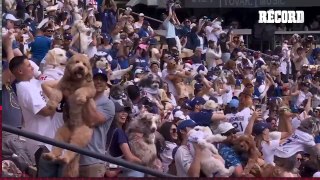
column 81, row 99
column 49, row 156
column 201, row 142
column 63, row 160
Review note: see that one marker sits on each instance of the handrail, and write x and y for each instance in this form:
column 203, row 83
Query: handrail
column 148, row 17
column 76, row 149
column 296, row 32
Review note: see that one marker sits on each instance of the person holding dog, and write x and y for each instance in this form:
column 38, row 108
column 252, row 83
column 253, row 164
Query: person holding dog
column 103, row 115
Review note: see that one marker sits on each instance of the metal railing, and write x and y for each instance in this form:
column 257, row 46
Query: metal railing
column 76, row 149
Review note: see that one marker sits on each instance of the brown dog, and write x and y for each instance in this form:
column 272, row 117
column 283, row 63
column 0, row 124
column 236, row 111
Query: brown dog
column 77, row 87
column 246, row 145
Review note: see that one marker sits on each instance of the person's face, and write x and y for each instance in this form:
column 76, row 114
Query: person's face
column 265, row 134
column 273, row 124
column 25, row 70
column 173, row 132
column 231, row 136
column 10, row 24
column 165, row 87
column 154, row 68
column 66, row 43
column 141, row 18
column 100, row 84
column 187, row 22
column 122, row 117
column 198, row 52
column 317, row 112
column 49, row 32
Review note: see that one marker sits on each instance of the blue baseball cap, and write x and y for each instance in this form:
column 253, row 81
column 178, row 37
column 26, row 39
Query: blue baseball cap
column 186, row 123
column 234, row 103
column 259, row 127
column 100, row 72
column 196, row 101
column 198, row 86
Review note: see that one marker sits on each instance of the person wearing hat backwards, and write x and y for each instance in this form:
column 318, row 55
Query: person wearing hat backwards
column 186, row 164
column 201, row 116
column 226, row 150
column 101, row 110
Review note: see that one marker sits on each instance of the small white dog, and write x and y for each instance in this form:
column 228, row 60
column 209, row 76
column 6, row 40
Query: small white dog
column 81, row 36
column 55, row 63
column 210, row 165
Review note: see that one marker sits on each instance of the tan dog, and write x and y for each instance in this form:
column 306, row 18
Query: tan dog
column 246, row 145
column 77, row 86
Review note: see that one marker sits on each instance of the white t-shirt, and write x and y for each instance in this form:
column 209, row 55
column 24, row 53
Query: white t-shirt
column 57, row 118
column 301, row 97
column 295, row 143
column 227, row 97
column 31, row 100
column 210, row 35
column 240, row 120
column 268, row 150
column 166, row 155
column 183, row 159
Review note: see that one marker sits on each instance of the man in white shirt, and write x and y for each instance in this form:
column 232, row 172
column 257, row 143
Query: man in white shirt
column 35, row 110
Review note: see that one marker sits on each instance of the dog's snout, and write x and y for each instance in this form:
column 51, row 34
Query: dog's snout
column 81, row 69
column 153, row 130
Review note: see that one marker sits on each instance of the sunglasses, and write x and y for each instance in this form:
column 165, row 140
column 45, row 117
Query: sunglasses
column 174, row 130
column 50, row 31
column 229, row 133
column 300, row 159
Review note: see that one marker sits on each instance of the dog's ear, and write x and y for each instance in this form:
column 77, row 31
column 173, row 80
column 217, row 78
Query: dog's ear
column 51, row 59
column 67, row 71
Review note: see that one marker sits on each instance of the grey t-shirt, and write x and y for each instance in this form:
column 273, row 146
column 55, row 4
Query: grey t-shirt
column 99, row 137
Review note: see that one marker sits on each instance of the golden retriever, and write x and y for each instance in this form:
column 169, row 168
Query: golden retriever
column 77, row 87
column 246, row 145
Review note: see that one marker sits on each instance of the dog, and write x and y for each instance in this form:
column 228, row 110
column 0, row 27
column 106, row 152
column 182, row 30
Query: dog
column 119, row 94
column 103, row 60
column 210, row 164
column 81, row 36
column 150, row 85
column 247, row 146
column 141, row 134
column 54, row 66
column 77, row 87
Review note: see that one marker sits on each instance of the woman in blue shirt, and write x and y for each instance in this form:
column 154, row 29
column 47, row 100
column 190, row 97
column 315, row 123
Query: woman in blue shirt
column 118, row 146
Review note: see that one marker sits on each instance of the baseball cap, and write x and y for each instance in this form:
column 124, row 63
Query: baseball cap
column 67, row 37
column 146, row 23
column 198, row 86
column 210, row 105
column 186, row 123
column 11, row 17
column 138, row 71
column 196, row 101
column 224, row 127
column 179, row 114
column 100, row 72
column 259, row 127
column 121, row 108
column 234, row 103
column 141, row 15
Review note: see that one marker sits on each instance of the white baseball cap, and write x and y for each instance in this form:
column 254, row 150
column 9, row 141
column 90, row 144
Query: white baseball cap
column 224, row 127
column 11, row 17
column 138, row 71
column 180, row 115
column 141, row 15
column 317, row 174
